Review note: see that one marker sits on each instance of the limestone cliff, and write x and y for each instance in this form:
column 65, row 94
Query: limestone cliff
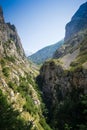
column 77, row 23
column 9, row 36
column 63, row 80
column 20, row 102
column 63, row 92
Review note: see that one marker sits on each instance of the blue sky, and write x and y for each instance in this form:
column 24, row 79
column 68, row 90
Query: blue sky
column 39, row 22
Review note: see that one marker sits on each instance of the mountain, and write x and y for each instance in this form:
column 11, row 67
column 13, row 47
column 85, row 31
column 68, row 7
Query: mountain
column 56, row 96
column 45, row 53
column 63, row 79
column 21, row 106
column 77, row 23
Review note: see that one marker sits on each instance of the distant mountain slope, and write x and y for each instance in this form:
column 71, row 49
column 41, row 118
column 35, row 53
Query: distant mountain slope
column 45, row 53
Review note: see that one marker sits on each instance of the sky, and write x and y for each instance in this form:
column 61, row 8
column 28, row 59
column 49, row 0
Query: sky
column 39, row 22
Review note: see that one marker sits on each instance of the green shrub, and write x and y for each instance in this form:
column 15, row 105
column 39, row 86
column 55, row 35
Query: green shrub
column 44, row 124
column 10, row 58
column 12, row 85
column 67, row 127
column 5, row 71
column 9, row 118
column 30, row 106
column 3, row 62
column 82, row 127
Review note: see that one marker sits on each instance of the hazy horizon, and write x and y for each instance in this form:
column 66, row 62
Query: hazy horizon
column 39, row 23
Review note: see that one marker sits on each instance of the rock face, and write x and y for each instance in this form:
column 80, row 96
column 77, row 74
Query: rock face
column 77, row 23
column 1, row 16
column 62, row 91
column 9, row 36
column 19, row 100
column 73, row 44
column 63, row 80
column 57, row 82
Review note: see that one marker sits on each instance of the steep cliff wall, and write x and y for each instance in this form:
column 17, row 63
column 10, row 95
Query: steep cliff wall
column 10, row 43
column 62, row 91
column 63, row 80
column 20, row 102
column 77, row 23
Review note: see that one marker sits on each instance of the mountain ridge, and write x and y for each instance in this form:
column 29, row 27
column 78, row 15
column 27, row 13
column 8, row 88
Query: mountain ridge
column 78, row 22
column 45, row 53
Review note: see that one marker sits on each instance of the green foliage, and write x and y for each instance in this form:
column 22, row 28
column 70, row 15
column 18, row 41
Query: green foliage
column 74, row 64
column 26, row 92
column 30, row 106
column 44, row 124
column 82, row 127
column 67, row 127
column 12, row 85
column 10, row 58
column 23, row 86
column 76, row 68
column 3, row 62
column 71, row 114
column 10, row 118
column 5, row 71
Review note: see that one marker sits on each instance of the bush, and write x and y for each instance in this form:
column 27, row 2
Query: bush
column 44, row 124
column 5, row 71
column 10, row 58
column 9, row 118
column 30, row 106
column 3, row 62
column 12, row 85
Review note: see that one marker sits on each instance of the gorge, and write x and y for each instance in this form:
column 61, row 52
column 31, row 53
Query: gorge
column 52, row 97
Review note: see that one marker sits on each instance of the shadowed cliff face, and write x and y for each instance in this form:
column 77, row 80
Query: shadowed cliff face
column 58, row 83
column 63, row 80
column 77, row 23
column 62, row 92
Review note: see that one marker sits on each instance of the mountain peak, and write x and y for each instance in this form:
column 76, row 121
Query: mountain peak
column 81, row 12
column 77, row 23
column 1, row 15
column 9, row 37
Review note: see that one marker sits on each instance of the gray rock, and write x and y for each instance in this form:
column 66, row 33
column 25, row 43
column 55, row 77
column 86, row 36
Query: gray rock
column 77, row 23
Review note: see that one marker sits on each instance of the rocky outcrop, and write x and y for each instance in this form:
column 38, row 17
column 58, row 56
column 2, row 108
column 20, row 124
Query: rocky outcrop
column 9, row 38
column 1, row 16
column 63, row 80
column 72, row 45
column 77, row 23
column 17, row 84
column 59, row 76
column 62, row 90
column 58, row 83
